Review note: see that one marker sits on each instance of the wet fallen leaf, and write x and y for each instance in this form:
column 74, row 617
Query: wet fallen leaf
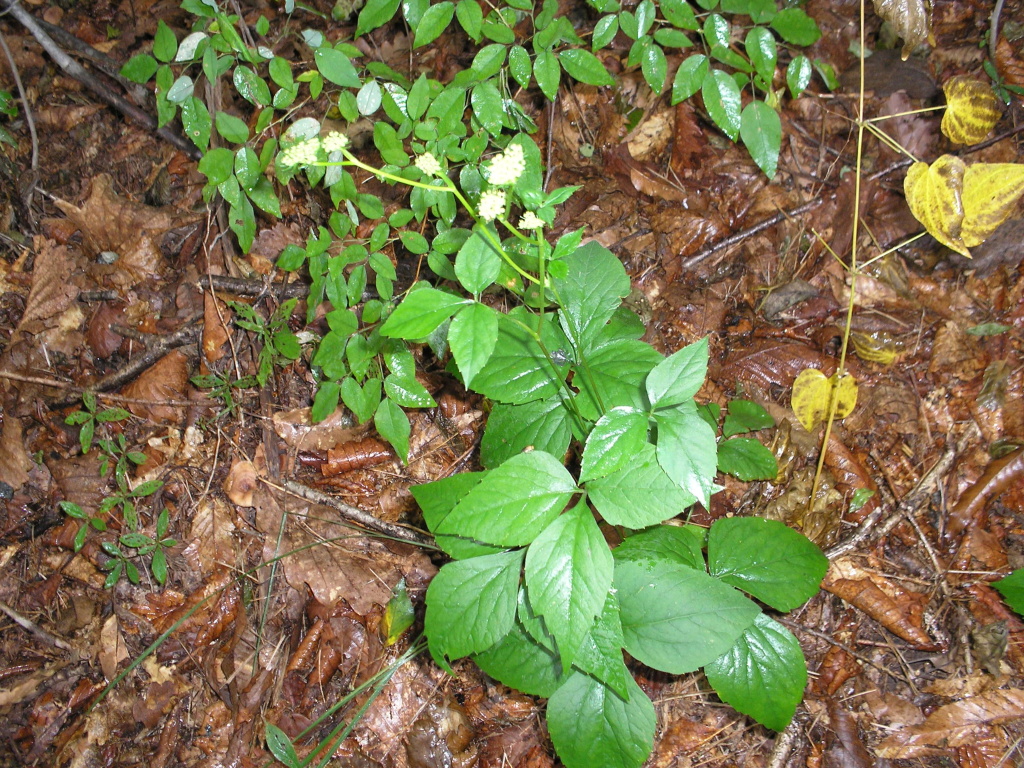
column 112, row 650
column 896, row 609
column 972, row 110
column 332, row 559
column 910, row 19
column 814, row 394
column 954, row 725
column 845, row 748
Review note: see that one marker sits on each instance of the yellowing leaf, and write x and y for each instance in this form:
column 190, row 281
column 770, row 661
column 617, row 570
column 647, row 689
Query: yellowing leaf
column 877, row 347
column 813, row 393
column 398, row 615
column 990, row 195
column 935, row 196
column 972, row 110
column 961, row 205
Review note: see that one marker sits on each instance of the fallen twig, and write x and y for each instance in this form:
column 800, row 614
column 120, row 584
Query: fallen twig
column 743, row 234
column 910, row 503
column 77, row 71
column 357, row 516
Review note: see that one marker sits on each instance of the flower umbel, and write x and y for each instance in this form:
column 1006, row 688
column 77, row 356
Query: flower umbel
column 507, row 167
column 303, row 153
column 428, row 164
column 335, row 141
column 492, row 204
column 530, row 220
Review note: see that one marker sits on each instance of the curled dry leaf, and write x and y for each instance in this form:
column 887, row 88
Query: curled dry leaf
column 845, row 748
column 972, row 110
column 1009, row 63
column 910, row 19
column 241, row 483
column 356, row 454
column 999, row 475
column 955, row 725
column 895, row 608
column 960, row 205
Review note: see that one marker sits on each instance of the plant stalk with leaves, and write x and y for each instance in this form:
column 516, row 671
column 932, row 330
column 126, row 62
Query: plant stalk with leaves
column 534, row 593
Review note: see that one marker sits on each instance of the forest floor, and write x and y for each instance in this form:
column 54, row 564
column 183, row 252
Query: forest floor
column 914, row 659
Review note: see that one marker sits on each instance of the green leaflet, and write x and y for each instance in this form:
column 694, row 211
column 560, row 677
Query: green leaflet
column 676, row 618
column 772, row 562
column 514, row 503
column 454, row 623
column 763, row 675
column 591, row 725
column 568, row 575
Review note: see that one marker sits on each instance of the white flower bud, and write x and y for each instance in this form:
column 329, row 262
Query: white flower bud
column 492, row 204
column 530, row 220
column 428, row 164
column 507, row 167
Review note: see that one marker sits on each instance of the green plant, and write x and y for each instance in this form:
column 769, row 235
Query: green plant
column 144, row 545
column 456, row 122
column 88, row 419
column 278, row 343
column 223, row 388
column 534, row 594
column 9, row 109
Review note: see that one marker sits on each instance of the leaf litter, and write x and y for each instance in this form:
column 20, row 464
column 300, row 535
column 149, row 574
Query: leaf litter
column 896, row 644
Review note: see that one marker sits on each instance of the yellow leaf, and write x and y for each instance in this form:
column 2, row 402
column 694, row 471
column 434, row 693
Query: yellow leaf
column 877, row 347
column 990, row 195
column 959, row 204
column 935, row 196
column 972, row 110
column 813, row 393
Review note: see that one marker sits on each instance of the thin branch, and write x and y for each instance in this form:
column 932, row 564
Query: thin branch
column 743, row 234
column 75, row 70
column 358, row 516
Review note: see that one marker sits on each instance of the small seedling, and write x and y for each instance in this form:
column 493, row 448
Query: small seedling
column 90, row 417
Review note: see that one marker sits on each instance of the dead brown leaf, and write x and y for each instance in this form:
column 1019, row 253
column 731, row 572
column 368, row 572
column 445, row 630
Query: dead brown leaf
column 109, row 222
column 895, row 608
column 999, row 475
column 298, row 431
column 955, row 725
column 166, row 380
column 334, row 560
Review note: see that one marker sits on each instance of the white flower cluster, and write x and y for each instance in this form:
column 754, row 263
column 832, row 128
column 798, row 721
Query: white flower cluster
column 303, row 153
column 492, row 204
column 428, row 164
column 530, row 220
column 507, row 167
column 335, row 141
